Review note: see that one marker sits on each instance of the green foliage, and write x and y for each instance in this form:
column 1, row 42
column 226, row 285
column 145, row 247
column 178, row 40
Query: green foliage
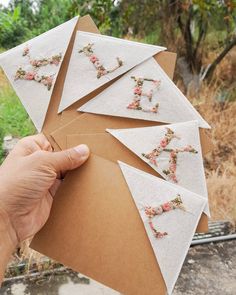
column 13, row 118
column 13, row 28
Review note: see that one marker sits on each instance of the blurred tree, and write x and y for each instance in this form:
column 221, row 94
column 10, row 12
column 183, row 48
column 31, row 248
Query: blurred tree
column 194, row 20
column 105, row 13
column 13, row 28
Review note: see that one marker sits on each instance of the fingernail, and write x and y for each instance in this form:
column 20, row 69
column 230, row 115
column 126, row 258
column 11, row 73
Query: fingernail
column 82, row 150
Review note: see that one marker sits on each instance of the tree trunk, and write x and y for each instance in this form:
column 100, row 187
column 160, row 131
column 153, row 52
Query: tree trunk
column 212, row 67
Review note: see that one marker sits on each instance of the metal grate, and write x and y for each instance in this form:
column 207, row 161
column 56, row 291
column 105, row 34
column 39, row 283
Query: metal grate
column 218, row 231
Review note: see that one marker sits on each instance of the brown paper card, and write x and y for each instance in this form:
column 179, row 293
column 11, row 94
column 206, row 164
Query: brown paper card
column 106, row 146
column 95, row 228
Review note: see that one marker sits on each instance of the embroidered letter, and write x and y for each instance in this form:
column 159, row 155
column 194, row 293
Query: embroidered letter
column 152, row 156
column 151, row 212
column 101, row 70
column 33, row 75
column 139, row 94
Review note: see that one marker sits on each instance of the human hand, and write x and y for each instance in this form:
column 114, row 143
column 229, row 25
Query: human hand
column 29, row 178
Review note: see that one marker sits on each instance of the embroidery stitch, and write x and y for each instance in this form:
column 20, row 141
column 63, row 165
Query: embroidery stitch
column 152, row 156
column 171, row 172
column 33, row 75
column 139, row 93
column 169, row 135
column 101, row 70
column 151, row 212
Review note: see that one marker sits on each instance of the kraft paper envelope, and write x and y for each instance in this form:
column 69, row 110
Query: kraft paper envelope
column 106, row 146
column 95, row 228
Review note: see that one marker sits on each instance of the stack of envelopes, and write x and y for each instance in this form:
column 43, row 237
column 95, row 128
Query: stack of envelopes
column 126, row 218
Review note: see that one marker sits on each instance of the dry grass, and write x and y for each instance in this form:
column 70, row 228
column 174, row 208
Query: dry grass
column 220, row 111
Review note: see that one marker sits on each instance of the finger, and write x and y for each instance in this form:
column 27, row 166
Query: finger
column 67, row 159
column 30, row 144
column 42, row 142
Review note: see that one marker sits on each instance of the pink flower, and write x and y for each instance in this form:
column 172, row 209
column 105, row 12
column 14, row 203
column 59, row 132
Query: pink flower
column 153, row 161
column 163, row 143
column 133, row 105
column 26, row 51
column 29, row 76
column 56, row 62
column 173, row 167
column 160, row 235
column 187, row 148
column 150, row 212
column 174, row 178
column 166, row 207
column 138, row 90
column 93, row 58
column 34, row 63
column 157, row 83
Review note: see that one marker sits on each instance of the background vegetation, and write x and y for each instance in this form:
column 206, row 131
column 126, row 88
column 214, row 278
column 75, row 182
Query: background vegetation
column 203, row 33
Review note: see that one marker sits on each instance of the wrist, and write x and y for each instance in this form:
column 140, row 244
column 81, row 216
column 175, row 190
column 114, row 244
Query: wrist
column 7, row 231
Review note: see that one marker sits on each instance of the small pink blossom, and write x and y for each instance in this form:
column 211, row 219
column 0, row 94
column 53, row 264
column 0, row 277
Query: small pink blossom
column 93, row 58
column 163, row 143
column 138, row 90
column 166, row 207
column 25, row 51
column 149, row 211
column 153, row 161
column 174, row 178
column 173, row 167
column 29, row 76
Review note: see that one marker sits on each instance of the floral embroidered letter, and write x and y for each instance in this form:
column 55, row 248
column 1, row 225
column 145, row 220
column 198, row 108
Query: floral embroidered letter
column 151, row 212
column 139, row 94
column 101, row 70
column 152, row 156
column 33, row 75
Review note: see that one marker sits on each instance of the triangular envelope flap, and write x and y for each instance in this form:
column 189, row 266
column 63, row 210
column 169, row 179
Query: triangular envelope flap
column 189, row 167
column 82, row 72
column 125, row 98
column 180, row 225
column 39, row 61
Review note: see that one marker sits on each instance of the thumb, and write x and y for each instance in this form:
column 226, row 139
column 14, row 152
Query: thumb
column 68, row 159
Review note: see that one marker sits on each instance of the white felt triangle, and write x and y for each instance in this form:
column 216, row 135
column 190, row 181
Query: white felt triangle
column 173, row 106
column 34, row 95
column 82, row 75
column 189, row 167
column 171, row 250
